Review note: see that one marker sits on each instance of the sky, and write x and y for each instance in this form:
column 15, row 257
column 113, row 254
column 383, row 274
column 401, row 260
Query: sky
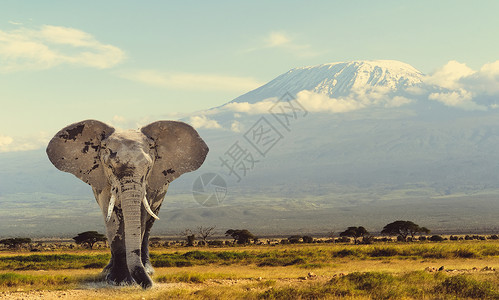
column 131, row 62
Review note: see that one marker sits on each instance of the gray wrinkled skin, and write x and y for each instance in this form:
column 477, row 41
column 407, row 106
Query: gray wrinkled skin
column 128, row 166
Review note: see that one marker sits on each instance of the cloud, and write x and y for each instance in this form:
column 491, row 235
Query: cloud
column 190, row 81
column 282, row 40
column 397, row 101
column 252, row 108
column 314, row 102
column 457, row 85
column 317, row 102
column 276, row 39
column 459, row 98
column 119, row 119
column 13, row 144
column 50, row 46
column 449, row 75
column 236, row 126
column 486, row 80
column 5, row 141
column 203, row 122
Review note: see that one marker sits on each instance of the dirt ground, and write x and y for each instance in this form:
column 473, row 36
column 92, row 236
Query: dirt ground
column 100, row 291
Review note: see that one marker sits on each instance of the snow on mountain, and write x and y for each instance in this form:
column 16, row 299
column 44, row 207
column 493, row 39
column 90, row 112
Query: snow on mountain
column 339, row 79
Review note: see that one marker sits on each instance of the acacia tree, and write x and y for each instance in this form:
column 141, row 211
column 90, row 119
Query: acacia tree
column 241, row 236
column 89, row 238
column 189, row 236
column 206, row 232
column 15, row 242
column 404, row 229
column 355, row 232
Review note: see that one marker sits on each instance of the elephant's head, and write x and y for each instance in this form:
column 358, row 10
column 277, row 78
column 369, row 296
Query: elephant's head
column 129, row 172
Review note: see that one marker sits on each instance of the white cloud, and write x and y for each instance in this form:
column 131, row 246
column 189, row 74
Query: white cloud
column 457, row 85
column 119, row 119
column 276, row 39
column 449, row 75
column 459, row 98
column 12, row 144
column 203, row 122
column 486, row 80
column 236, row 126
column 5, row 141
column 397, row 101
column 490, row 70
column 282, row 40
column 314, row 102
column 192, row 81
column 252, row 108
column 49, row 46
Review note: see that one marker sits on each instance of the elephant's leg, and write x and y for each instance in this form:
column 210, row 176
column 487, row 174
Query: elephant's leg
column 147, row 222
column 117, row 271
column 145, row 247
column 109, row 266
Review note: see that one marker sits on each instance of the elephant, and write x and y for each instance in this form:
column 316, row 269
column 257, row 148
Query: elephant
column 129, row 172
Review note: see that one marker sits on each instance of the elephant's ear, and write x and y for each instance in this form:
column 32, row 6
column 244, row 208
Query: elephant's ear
column 179, row 149
column 76, row 148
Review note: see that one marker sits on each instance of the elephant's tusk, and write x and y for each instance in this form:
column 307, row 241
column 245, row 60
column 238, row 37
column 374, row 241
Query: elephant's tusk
column 110, row 207
column 148, row 208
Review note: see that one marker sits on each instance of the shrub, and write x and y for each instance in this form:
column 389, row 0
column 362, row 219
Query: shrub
column 281, row 261
column 295, row 239
column 465, row 253
column 307, row 239
column 464, row 286
column 436, row 238
column 345, row 253
column 15, row 242
column 383, row 252
column 343, row 239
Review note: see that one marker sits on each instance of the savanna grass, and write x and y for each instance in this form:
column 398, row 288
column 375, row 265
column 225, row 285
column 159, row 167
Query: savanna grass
column 302, row 255
column 46, row 282
column 53, row 261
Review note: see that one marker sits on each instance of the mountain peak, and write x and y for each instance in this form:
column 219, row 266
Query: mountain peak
column 393, row 65
column 338, row 79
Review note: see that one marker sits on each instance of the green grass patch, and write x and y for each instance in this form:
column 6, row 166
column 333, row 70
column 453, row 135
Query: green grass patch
column 283, row 255
column 378, row 285
column 468, row 287
column 192, row 277
column 53, row 261
column 12, row 281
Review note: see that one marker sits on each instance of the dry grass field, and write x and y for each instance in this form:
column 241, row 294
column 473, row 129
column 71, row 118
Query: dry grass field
column 297, row 271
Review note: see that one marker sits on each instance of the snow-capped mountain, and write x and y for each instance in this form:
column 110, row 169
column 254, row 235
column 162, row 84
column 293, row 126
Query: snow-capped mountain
column 339, row 79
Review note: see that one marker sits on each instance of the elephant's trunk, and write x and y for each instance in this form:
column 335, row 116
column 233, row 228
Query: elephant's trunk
column 131, row 196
